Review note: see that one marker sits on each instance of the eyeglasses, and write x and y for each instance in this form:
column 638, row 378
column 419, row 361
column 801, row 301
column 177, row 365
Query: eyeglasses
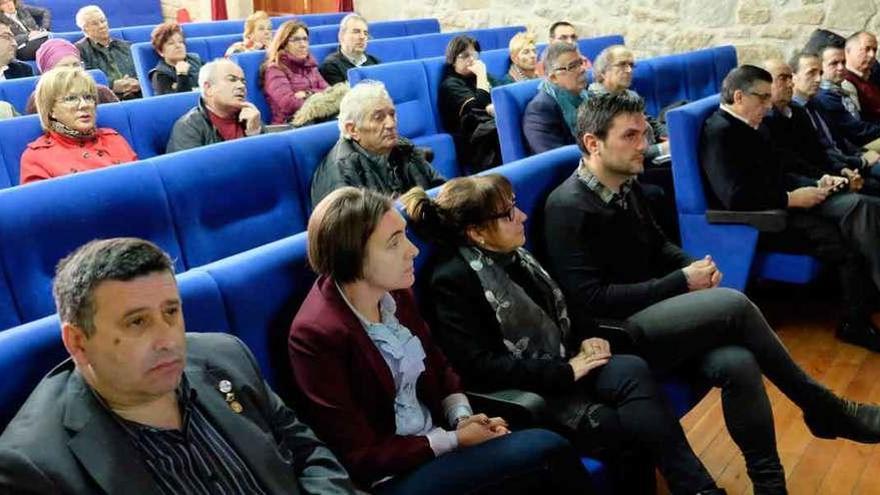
column 509, row 214
column 298, row 39
column 74, row 100
column 574, row 66
column 761, row 96
column 468, row 56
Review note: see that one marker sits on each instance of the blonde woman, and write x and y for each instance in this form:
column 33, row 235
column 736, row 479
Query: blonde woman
column 66, row 99
column 257, row 34
column 523, row 58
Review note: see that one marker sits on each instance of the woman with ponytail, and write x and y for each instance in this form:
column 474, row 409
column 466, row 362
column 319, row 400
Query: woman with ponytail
column 503, row 323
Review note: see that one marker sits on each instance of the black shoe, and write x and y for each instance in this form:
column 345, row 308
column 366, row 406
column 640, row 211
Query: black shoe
column 852, row 420
column 862, row 334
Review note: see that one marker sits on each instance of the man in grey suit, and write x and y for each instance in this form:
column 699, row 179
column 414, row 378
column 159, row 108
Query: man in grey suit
column 141, row 407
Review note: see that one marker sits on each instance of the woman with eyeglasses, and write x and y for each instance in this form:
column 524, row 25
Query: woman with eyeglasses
column 290, row 74
column 72, row 142
column 176, row 71
column 466, row 106
column 58, row 52
column 503, row 323
column 523, row 58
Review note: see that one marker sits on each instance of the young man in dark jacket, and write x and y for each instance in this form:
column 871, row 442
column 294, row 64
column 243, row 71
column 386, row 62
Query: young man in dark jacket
column 223, row 113
column 369, row 152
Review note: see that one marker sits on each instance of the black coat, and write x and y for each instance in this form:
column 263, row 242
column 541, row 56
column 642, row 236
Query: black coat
column 165, row 78
column 463, row 111
column 544, row 126
column 347, row 165
column 194, row 129
column 18, row 69
column 334, row 68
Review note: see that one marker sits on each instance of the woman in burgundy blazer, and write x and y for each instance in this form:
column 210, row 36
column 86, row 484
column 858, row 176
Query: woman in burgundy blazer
column 356, row 379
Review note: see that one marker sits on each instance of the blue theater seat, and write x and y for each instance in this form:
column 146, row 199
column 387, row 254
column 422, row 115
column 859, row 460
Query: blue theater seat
column 308, row 147
column 250, row 64
column 229, row 197
column 732, row 246
column 42, row 222
column 17, row 91
column 119, row 12
column 510, row 104
column 145, row 59
column 8, row 310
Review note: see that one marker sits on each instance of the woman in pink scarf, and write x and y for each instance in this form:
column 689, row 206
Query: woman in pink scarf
column 58, row 52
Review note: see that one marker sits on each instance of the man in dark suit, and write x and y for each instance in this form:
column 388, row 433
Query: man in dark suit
column 141, row 407
column 745, row 172
column 9, row 67
column 352, row 51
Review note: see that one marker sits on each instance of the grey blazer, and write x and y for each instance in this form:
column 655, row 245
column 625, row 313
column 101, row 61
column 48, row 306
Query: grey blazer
column 63, row 441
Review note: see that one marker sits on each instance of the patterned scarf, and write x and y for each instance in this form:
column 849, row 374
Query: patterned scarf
column 72, row 133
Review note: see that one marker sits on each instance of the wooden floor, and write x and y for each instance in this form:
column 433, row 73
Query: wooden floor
column 812, row 465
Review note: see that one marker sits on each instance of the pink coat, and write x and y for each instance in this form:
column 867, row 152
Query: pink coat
column 287, row 77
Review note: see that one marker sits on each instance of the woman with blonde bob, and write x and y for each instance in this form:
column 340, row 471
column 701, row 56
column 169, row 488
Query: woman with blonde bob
column 66, row 99
column 376, row 387
column 523, row 58
column 503, row 323
column 257, row 34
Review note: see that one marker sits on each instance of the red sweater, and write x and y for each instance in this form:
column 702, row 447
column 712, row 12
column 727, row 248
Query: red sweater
column 869, row 96
column 54, row 155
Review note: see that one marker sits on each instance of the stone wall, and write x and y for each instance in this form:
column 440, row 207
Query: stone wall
column 758, row 28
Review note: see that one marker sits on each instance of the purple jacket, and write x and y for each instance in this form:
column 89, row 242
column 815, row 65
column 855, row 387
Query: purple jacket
column 287, row 77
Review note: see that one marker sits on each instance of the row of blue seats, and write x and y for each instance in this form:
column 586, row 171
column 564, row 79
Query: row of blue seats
column 661, row 81
column 119, row 12
column 138, row 33
column 17, row 91
column 255, row 294
column 734, row 247
column 211, row 47
column 200, row 205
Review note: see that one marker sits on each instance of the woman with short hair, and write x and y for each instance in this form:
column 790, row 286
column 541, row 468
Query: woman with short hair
column 523, row 58
column 176, row 71
column 72, row 142
column 378, row 390
column 257, row 34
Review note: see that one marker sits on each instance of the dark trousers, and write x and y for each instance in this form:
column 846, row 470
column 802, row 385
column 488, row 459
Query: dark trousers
column 29, row 51
column 843, row 231
column 635, row 430
column 726, row 337
column 524, row 462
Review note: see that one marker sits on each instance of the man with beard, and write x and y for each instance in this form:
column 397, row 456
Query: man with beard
column 223, row 113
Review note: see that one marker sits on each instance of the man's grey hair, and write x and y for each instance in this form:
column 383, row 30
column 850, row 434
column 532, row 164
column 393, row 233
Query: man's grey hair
column 360, row 100
column 79, row 274
column 551, row 55
column 208, row 72
column 343, row 24
column 85, row 11
column 604, row 59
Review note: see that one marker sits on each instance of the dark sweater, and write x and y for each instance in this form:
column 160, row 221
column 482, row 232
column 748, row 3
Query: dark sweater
column 469, row 333
column 610, row 262
column 797, row 144
column 165, row 78
column 334, row 68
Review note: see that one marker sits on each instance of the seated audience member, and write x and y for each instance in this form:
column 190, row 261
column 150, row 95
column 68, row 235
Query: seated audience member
column 72, row 142
column 28, row 35
column 612, row 261
column 550, row 119
column 176, row 71
column 369, row 152
column 257, row 34
column 504, row 324
column 613, row 71
column 807, row 76
column 745, row 173
column 840, row 109
column 9, row 67
column 466, row 105
column 523, row 58
column 223, row 112
column 861, row 53
column 143, row 407
column 376, row 387
column 59, row 52
column 352, row 52
column 796, row 141
column 562, row 32
column 111, row 55
column 290, row 73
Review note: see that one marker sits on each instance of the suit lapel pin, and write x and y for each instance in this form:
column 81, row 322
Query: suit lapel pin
column 225, row 387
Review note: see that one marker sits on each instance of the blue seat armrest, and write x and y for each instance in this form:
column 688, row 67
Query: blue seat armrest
column 519, row 407
column 764, row 220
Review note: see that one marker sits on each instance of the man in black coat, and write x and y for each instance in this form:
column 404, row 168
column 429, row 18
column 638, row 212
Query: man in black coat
column 369, row 152
column 745, row 172
column 141, row 407
column 9, row 67
column 352, row 51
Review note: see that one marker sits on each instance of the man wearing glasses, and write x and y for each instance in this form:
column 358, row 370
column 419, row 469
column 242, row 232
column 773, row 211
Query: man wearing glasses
column 352, row 52
column 745, row 173
column 9, row 67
